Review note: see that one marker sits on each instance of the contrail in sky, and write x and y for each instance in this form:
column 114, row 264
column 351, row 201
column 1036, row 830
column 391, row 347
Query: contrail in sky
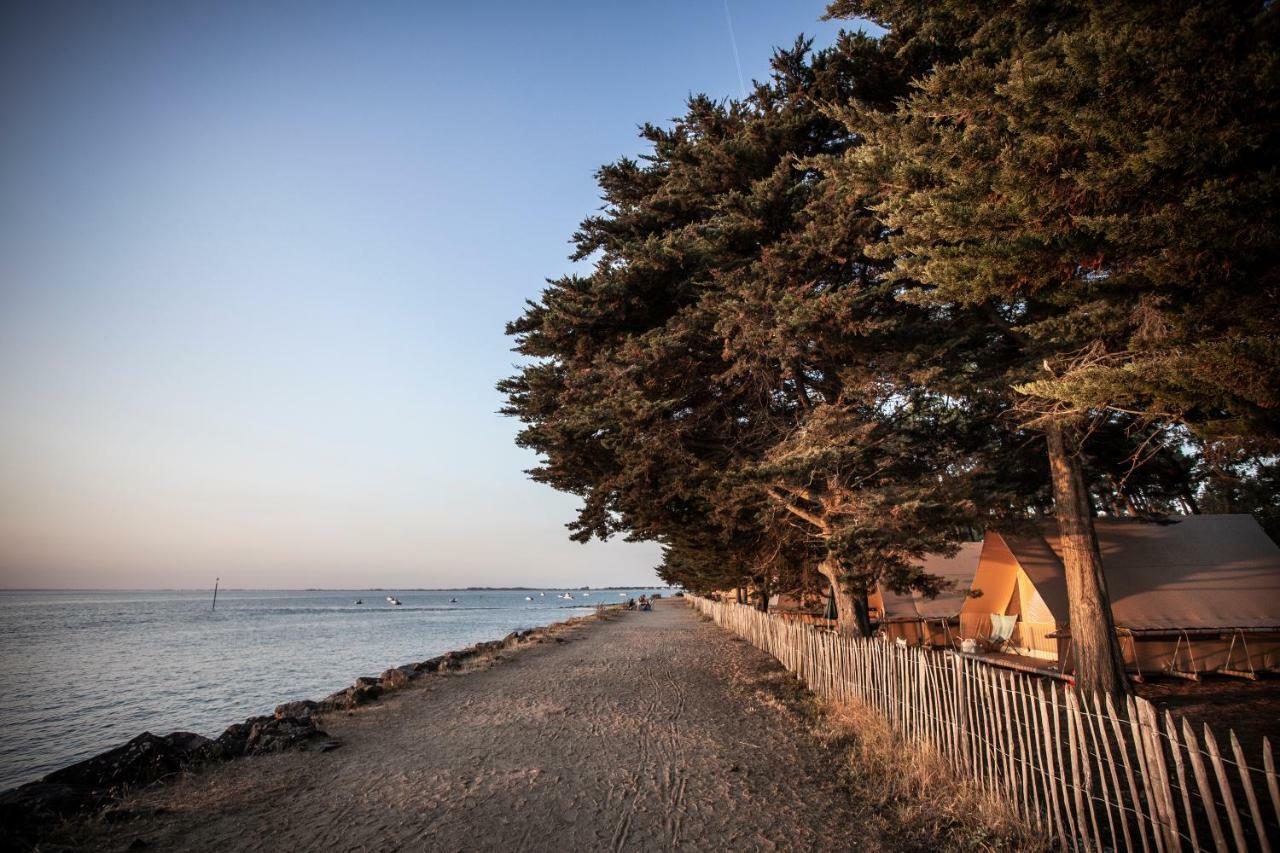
column 733, row 40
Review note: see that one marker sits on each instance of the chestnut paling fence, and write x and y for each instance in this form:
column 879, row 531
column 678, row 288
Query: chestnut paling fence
column 1090, row 774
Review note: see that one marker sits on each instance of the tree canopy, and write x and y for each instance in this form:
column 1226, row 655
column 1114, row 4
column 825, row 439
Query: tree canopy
column 1005, row 261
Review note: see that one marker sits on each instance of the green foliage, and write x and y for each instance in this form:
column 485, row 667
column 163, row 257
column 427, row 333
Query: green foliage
column 1101, row 177
column 824, row 322
column 634, row 404
column 1237, row 480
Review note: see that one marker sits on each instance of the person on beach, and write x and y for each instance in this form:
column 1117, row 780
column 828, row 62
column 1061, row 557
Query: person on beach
column 644, row 603
column 631, row 604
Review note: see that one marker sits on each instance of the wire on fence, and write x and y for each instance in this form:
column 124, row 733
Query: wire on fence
column 1052, row 756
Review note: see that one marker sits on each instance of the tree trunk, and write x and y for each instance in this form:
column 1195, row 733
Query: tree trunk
column 862, row 615
column 762, row 589
column 847, row 620
column 1189, row 498
column 1099, row 662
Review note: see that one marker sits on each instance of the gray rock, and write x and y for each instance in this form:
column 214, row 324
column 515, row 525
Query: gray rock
column 340, row 701
column 365, row 694
column 264, row 735
column 394, row 679
column 188, row 744
column 142, row 760
column 269, row 735
column 234, row 740
column 297, row 708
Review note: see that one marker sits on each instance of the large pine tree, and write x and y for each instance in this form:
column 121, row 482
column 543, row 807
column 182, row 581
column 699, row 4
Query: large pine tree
column 1099, row 181
column 632, row 403
column 730, row 372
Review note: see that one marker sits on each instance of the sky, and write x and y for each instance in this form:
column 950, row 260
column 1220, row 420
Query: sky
column 255, row 264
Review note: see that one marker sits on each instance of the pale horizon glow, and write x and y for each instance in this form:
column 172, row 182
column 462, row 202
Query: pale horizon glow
column 255, row 263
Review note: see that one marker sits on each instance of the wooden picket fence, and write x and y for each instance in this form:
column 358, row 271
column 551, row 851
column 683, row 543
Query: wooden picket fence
column 1091, row 775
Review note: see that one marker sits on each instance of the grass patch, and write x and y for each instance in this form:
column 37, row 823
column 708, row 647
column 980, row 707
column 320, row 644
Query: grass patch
column 913, row 793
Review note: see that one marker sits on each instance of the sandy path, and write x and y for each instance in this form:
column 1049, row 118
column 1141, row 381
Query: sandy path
column 654, row 731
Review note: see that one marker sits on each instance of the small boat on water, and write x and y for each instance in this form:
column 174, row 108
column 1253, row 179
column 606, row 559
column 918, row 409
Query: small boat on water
column 391, row 599
column 453, row 601
column 542, row 593
column 359, row 601
column 567, row 597
column 528, row 598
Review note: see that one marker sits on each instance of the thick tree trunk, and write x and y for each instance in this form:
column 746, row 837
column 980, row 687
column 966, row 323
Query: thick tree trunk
column 862, row 615
column 763, row 591
column 1098, row 659
column 847, row 620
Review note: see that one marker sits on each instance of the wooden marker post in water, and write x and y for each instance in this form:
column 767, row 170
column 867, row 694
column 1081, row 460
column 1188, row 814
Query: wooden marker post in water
column 215, row 594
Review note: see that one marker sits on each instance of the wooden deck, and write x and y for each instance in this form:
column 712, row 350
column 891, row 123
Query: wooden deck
column 1018, row 663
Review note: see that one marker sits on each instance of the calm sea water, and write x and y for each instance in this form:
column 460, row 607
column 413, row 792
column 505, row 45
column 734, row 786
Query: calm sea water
column 81, row 672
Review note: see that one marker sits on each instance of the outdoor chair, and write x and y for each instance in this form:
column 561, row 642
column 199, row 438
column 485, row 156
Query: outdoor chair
column 1001, row 639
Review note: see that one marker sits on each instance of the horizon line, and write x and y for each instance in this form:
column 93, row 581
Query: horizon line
column 335, row 588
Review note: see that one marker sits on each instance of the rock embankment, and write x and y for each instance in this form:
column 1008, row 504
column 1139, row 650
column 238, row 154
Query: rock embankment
column 99, row 781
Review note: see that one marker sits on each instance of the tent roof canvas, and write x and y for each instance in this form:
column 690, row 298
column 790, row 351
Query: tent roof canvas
column 1199, row 572
column 959, row 570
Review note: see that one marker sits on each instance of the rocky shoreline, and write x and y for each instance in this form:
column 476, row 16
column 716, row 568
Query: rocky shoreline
column 102, row 781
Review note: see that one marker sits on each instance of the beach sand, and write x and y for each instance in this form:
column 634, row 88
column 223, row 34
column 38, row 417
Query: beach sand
column 646, row 731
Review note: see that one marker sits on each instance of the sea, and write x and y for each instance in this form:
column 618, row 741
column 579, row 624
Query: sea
column 81, row 672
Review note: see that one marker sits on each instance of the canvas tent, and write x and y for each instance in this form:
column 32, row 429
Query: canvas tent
column 917, row 619
column 1204, row 572
column 1019, row 576
column 1195, row 594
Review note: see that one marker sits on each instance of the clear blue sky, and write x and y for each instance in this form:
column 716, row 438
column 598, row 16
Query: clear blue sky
column 255, row 262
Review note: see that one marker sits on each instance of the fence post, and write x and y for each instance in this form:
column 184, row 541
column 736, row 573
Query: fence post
column 1156, row 767
column 1005, row 733
column 1250, row 797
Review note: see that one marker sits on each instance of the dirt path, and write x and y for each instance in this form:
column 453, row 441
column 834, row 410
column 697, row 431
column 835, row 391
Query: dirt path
column 654, row 731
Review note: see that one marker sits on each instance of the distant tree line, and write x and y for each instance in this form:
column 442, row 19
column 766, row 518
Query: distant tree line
column 1006, row 262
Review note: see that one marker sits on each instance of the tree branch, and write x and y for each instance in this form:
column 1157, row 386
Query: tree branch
column 815, row 520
